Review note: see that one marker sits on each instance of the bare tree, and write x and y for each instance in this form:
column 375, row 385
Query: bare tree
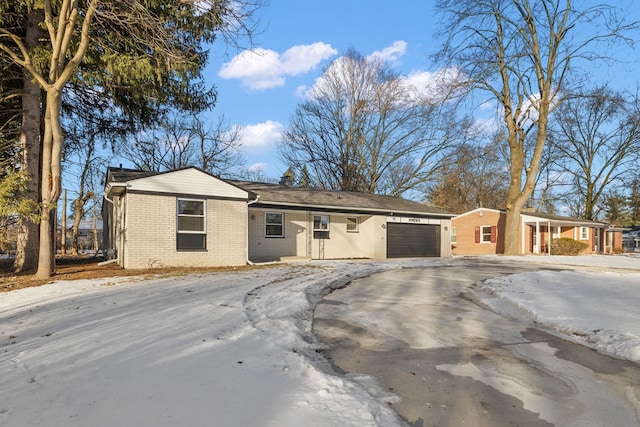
column 365, row 128
column 476, row 178
column 150, row 36
column 597, row 143
column 522, row 52
column 183, row 141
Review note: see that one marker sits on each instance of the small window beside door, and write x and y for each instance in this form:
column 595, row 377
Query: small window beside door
column 352, row 224
column 321, row 227
column 274, row 224
column 321, row 223
column 584, row 233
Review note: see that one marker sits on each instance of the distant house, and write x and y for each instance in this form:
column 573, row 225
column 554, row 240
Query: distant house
column 86, row 230
column 481, row 231
column 631, row 240
column 187, row 217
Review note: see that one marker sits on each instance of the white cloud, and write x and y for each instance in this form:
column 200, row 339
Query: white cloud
column 261, row 136
column 391, row 53
column 436, row 86
column 261, row 69
column 257, row 167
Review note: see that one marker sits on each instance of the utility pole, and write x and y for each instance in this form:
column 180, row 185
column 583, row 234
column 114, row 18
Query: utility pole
column 63, row 231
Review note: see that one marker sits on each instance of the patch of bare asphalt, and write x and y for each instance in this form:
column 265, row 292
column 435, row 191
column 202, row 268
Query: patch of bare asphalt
column 479, row 369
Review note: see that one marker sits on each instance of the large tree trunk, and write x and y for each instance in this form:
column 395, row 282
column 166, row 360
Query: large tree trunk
column 50, row 181
column 512, row 242
column 28, row 232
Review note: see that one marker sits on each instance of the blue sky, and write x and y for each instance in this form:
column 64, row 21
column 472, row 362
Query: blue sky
column 261, row 90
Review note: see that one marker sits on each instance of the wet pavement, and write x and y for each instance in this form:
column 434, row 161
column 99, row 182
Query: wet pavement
column 454, row 363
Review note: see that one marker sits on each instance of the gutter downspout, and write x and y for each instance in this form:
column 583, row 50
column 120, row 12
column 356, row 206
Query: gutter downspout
column 249, row 262
column 110, row 227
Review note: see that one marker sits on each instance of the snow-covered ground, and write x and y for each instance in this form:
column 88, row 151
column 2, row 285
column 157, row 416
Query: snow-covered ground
column 235, row 348
column 598, row 305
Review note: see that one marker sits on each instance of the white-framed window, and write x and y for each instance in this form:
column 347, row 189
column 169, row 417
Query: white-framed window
column 485, row 234
column 555, row 232
column 584, row 233
column 353, row 223
column 274, row 224
column 454, row 235
column 321, row 223
column 191, row 233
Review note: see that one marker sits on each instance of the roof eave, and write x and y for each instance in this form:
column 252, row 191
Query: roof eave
column 378, row 211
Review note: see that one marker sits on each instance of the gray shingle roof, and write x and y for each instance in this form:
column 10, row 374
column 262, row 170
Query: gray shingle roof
column 561, row 218
column 308, row 198
column 274, row 194
column 118, row 174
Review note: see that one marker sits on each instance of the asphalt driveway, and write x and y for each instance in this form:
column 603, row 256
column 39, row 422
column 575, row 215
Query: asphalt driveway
column 454, row 363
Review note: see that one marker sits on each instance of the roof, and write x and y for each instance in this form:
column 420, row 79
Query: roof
column 527, row 216
column 321, row 199
column 480, row 209
column 120, row 174
column 562, row 219
column 188, row 181
column 270, row 195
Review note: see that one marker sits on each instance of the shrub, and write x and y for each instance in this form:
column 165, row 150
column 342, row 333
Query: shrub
column 567, row 246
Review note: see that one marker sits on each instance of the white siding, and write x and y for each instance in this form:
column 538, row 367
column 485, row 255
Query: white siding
column 187, row 181
column 299, row 242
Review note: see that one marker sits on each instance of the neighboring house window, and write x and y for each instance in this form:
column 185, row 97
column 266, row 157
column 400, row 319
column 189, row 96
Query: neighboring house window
column 584, row 233
column 191, row 233
column 454, row 235
column 352, row 224
column 486, row 234
column 321, row 223
column 274, row 224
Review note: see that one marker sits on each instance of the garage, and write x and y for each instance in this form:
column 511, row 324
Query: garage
column 405, row 240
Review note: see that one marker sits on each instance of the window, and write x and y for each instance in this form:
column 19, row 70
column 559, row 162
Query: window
column 321, row 223
column 486, row 234
column 584, row 233
column 191, row 225
column 352, row 224
column 274, row 224
column 454, row 235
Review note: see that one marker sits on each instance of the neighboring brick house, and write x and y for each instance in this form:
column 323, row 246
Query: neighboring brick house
column 481, row 231
column 187, row 217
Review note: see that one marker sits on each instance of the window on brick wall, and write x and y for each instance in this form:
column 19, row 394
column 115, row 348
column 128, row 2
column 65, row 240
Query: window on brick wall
column 584, row 233
column 191, row 225
column 486, row 234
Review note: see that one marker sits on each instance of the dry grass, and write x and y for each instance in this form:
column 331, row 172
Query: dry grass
column 76, row 268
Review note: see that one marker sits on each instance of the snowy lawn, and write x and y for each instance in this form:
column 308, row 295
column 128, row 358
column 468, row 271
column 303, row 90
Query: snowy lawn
column 235, row 349
column 598, row 305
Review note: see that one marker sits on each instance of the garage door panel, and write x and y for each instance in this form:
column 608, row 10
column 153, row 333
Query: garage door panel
column 412, row 240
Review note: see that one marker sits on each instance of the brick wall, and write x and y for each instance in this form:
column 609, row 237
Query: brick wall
column 150, row 233
column 466, row 232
